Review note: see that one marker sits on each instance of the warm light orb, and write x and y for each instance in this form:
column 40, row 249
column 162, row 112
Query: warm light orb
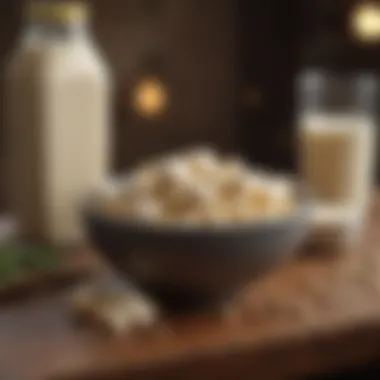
column 150, row 97
column 365, row 22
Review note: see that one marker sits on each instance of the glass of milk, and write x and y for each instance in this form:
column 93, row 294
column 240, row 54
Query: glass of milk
column 337, row 141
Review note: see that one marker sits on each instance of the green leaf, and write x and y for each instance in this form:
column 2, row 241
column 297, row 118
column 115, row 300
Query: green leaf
column 10, row 267
column 18, row 259
column 39, row 257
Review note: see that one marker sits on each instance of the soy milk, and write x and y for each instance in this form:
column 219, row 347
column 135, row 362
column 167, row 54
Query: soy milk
column 58, row 91
column 337, row 157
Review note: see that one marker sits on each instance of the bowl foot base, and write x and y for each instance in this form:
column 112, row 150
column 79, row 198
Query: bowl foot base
column 179, row 302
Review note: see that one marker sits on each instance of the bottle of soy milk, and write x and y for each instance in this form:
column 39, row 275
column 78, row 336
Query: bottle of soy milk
column 57, row 104
column 337, row 140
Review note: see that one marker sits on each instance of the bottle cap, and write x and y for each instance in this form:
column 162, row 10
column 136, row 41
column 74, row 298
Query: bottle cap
column 65, row 11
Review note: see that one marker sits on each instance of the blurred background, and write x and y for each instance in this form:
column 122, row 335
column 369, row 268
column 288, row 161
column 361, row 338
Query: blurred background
column 220, row 72
column 190, row 71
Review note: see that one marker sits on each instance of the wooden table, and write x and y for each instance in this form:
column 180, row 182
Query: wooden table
column 318, row 313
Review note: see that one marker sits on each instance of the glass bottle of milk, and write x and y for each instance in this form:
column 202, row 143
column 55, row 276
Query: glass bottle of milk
column 57, row 105
column 337, row 141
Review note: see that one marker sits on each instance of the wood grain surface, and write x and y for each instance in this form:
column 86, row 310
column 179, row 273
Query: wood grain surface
column 318, row 313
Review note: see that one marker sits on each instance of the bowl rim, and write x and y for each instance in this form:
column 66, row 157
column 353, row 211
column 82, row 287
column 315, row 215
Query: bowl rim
column 302, row 210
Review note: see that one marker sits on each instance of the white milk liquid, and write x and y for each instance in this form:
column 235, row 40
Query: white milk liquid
column 337, row 157
column 58, row 119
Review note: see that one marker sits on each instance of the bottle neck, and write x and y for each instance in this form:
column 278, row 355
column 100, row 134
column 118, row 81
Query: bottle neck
column 58, row 30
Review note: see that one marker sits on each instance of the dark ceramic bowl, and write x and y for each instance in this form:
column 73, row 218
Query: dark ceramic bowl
column 193, row 266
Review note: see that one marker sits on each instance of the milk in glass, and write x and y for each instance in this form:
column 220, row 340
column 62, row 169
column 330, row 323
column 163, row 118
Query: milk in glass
column 337, row 141
column 337, row 157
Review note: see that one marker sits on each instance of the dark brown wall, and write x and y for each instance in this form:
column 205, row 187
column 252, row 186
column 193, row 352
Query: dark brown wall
column 9, row 20
column 197, row 64
column 267, row 40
